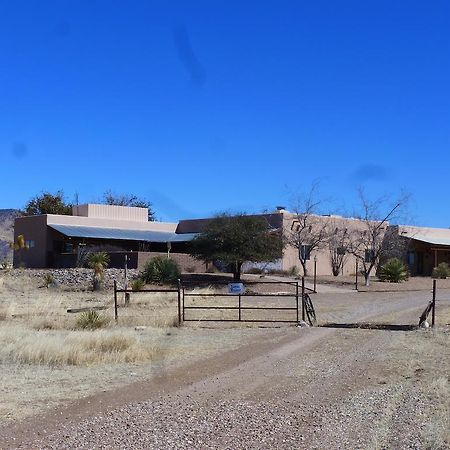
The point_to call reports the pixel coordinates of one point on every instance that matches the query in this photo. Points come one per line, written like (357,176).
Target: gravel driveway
(313,388)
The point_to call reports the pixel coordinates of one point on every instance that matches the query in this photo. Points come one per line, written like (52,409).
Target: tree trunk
(237,272)
(367,278)
(305,271)
(97,282)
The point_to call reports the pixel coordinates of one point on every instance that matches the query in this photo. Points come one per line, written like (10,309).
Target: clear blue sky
(226,105)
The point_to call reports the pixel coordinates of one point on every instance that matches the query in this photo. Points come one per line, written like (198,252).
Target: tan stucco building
(60,240)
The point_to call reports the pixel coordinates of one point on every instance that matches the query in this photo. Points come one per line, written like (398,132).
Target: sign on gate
(236,288)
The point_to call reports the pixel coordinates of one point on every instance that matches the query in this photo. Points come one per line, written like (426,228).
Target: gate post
(296,298)
(303,299)
(239,307)
(434,304)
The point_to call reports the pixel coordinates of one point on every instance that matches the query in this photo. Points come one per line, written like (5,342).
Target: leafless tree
(338,244)
(367,239)
(309,230)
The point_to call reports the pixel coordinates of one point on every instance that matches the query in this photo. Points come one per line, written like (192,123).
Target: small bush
(160,270)
(190,269)
(293,271)
(393,270)
(137,284)
(90,320)
(441,271)
(48,280)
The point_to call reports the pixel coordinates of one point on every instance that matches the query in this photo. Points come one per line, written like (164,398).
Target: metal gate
(260,302)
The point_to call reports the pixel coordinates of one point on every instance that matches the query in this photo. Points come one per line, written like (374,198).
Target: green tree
(236,239)
(48,203)
(111,198)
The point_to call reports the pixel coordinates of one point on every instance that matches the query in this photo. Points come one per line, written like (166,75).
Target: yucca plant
(393,270)
(90,320)
(99,262)
(160,270)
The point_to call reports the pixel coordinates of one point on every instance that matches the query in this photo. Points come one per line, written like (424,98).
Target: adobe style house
(286,222)
(425,247)
(62,240)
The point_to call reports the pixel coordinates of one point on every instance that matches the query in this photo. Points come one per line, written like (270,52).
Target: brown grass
(61,347)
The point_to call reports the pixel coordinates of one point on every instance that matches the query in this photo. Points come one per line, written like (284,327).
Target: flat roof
(121,234)
(431,240)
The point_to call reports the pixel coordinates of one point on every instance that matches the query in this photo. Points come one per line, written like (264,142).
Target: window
(29,244)
(340,250)
(304,252)
(411,258)
(68,247)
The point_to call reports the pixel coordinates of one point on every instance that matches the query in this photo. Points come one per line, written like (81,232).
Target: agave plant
(393,270)
(99,262)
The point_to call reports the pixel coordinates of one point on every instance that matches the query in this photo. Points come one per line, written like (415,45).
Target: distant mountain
(7,217)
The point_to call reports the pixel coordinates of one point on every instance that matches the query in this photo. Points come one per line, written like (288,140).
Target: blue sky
(209,106)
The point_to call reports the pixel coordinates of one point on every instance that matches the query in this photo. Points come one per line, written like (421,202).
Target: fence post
(179,301)
(296,299)
(182,302)
(434,304)
(116,317)
(126,295)
(303,299)
(356,275)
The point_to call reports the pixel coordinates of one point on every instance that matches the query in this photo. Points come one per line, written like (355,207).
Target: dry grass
(61,347)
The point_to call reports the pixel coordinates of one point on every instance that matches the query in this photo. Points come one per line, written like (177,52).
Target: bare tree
(338,244)
(309,230)
(367,239)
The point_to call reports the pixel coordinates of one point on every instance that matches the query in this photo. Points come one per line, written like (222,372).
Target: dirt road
(307,388)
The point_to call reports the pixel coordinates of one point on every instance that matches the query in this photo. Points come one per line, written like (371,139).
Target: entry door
(419,263)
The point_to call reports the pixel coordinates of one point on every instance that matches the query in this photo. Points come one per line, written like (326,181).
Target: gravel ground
(318,388)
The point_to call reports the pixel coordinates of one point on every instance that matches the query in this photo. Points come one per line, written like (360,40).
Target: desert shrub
(90,320)
(48,280)
(190,269)
(393,270)
(293,271)
(160,270)
(441,271)
(137,284)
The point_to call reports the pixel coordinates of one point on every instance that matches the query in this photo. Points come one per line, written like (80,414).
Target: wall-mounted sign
(236,288)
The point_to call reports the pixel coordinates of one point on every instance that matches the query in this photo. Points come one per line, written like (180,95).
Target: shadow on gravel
(371,326)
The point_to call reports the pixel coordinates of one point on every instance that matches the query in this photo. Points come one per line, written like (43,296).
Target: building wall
(33,228)
(322,255)
(111,212)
